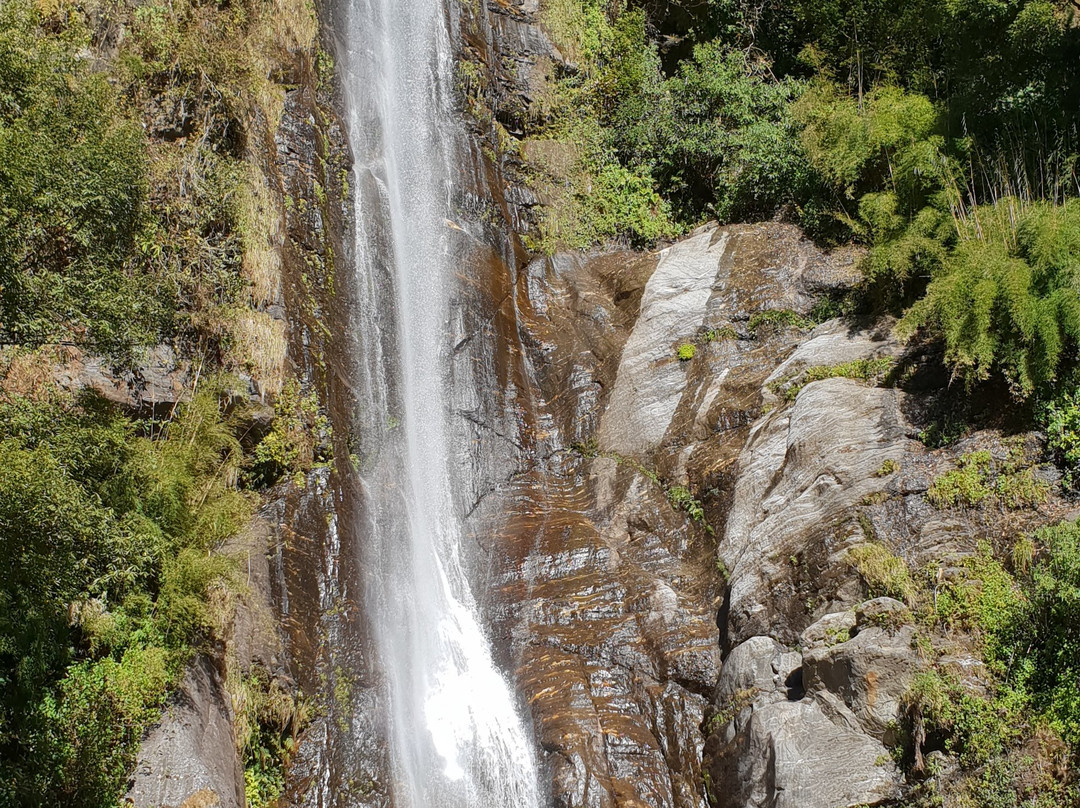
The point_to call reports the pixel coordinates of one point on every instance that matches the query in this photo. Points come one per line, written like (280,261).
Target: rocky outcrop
(805,729)
(802,470)
(190,758)
(610,591)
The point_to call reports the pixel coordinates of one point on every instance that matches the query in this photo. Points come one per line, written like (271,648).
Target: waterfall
(457,738)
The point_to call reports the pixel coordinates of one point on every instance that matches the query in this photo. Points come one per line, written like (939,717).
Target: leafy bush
(1061,420)
(978,727)
(888,467)
(683,499)
(686,351)
(104,538)
(298,436)
(729,146)
(1005,299)
(72,195)
(1040,649)
(773,320)
(1021,489)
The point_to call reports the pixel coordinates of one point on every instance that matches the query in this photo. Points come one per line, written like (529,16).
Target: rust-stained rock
(609,593)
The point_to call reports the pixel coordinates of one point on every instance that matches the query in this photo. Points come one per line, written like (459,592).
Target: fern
(1007,298)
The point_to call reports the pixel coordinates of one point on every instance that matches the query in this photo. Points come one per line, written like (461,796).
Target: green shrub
(729,146)
(1005,299)
(1061,420)
(72,195)
(979,596)
(966,486)
(887,468)
(1021,489)
(978,727)
(299,435)
(1041,646)
(106,539)
(686,351)
(268,726)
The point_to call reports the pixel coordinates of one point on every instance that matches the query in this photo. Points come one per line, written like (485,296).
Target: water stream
(457,738)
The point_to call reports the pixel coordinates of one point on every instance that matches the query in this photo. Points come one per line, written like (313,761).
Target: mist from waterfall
(457,738)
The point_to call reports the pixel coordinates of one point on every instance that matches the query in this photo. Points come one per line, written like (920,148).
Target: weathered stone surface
(872,670)
(800,472)
(753,668)
(802,754)
(609,593)
(191,753)
(770,745)
(651,380)
(151,388)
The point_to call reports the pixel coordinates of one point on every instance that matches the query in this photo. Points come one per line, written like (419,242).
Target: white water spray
(458,741)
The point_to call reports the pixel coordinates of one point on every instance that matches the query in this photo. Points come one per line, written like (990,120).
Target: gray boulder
(189,759)
(871,671)
(772,747)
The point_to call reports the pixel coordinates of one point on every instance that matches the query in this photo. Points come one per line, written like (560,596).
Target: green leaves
(105,541)
(730,143)
(1005,299)
(72,191)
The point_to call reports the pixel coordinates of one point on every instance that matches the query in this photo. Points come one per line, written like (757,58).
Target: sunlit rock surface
(609,596)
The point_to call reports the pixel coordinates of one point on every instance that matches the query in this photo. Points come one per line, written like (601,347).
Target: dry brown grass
(259,347)
(31,372)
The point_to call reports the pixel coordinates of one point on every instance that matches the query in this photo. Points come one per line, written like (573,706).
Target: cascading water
(458,741)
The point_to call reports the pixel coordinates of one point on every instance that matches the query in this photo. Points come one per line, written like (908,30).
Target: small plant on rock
(686,351)
(887,468)
(682,499)
(884,573)
(965,486)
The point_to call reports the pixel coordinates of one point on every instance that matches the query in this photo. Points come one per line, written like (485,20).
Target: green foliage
(1061,421)
(978,595)
(966,486)
(681,498)
(589,115)
(1026,622)
(1021,489)
(978,727)
(267,735)
(104,539)
(883,573)
(773,320)
(686,351)
(1005,299)
(887,468)
(719,334)
(72,195)
(871,371)
(729,146)
(1040,649)
(299,435)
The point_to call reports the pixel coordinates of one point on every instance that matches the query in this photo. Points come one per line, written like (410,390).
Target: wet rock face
(608,594)
(191,753)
